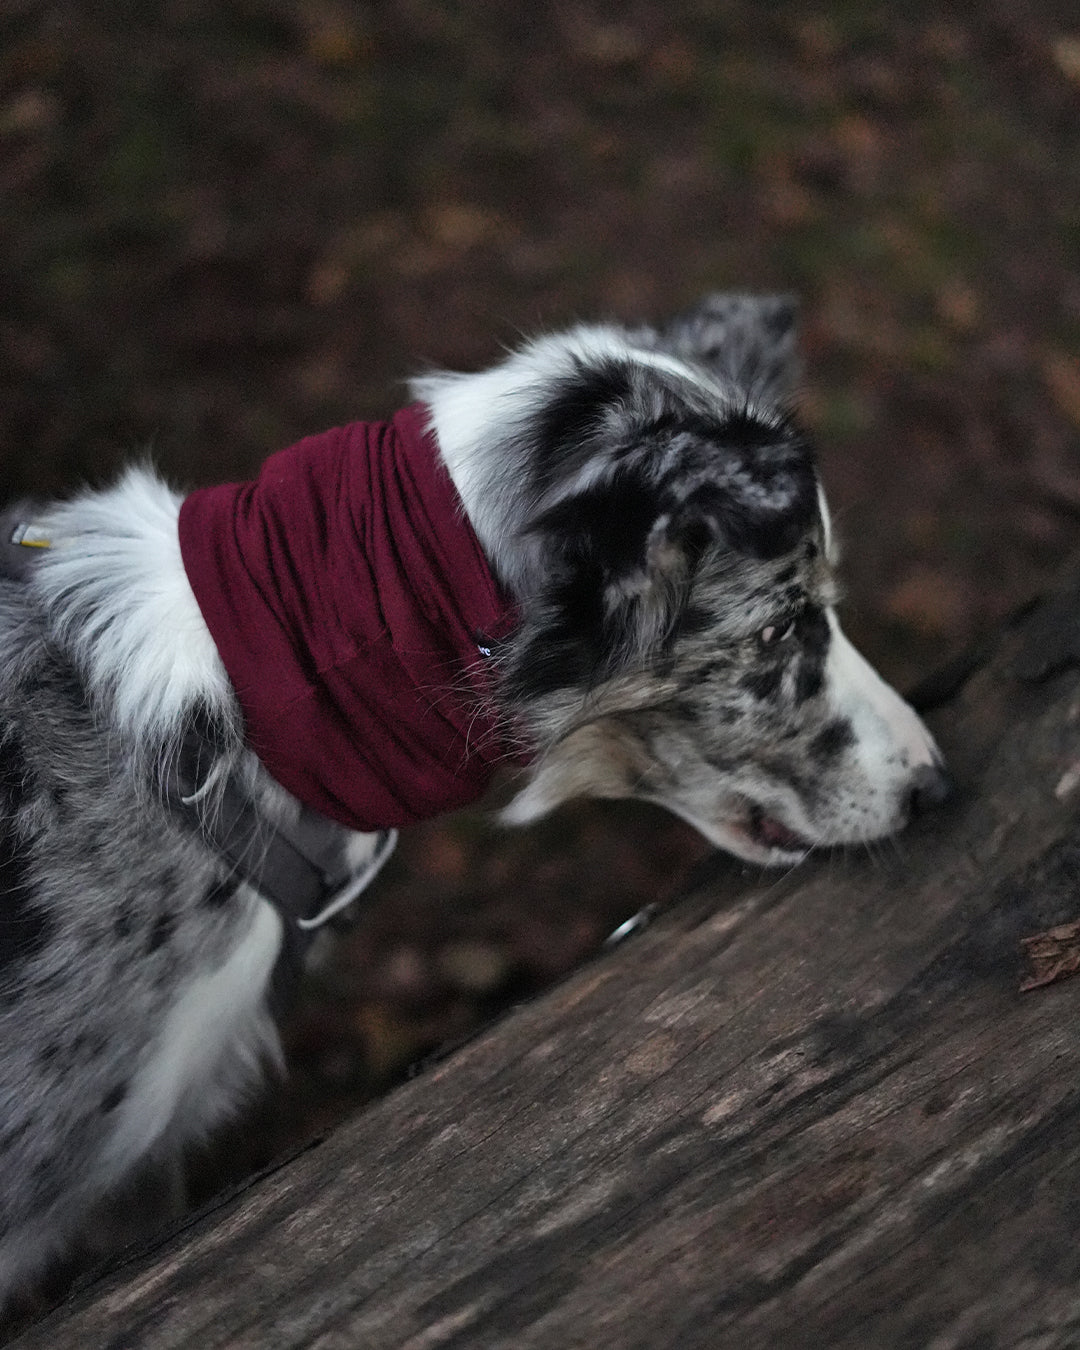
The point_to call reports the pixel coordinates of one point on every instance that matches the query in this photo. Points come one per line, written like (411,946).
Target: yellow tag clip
(31,536)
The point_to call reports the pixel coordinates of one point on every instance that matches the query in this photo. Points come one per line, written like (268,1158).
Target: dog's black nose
(930,786)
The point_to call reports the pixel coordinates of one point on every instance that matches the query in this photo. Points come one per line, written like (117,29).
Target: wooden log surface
(810,1110)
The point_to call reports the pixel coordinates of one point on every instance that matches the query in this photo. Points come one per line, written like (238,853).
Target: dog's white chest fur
(212,1045)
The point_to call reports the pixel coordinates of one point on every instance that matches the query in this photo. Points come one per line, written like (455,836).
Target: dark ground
(226,225)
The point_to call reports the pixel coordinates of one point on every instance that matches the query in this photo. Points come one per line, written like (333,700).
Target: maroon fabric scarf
(348,596)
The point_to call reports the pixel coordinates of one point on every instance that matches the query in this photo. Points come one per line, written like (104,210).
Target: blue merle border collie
(649,508)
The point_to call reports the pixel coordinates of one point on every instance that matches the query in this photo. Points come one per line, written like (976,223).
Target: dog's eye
(776,632)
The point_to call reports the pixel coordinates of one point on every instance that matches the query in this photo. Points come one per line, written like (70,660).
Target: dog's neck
(362,597)
(345,589)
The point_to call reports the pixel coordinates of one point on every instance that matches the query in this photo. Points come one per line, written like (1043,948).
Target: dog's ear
(747,483)
(749,340)
(622,550)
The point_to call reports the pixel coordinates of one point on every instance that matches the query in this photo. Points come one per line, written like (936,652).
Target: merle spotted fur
(652,504)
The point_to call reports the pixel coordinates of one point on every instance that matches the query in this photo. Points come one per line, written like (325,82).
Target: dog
(607,559)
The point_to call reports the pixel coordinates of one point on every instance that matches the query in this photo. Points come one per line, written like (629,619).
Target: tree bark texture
(811,1110)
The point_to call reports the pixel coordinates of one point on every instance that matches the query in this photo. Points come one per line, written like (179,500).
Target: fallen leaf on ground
(1054,954)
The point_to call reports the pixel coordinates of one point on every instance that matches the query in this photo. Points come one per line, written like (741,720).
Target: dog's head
(655,506)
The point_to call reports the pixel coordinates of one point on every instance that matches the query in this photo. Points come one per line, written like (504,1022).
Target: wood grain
(806,1111)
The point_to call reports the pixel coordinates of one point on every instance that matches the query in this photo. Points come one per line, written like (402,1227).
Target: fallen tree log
(813,1110)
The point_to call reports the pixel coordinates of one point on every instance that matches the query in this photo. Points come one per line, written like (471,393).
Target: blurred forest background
(225,224)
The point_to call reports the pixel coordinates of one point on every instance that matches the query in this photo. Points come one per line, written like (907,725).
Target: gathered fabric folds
(350,601)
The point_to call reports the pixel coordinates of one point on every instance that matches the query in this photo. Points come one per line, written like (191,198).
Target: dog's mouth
(769,833)
(747,830)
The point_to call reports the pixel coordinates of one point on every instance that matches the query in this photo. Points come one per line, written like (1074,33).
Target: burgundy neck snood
(349,597)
